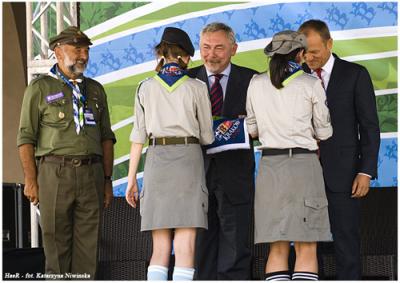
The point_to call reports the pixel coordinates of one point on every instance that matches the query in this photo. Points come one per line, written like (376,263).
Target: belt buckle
(290,152)
(76,162)
(163,141)
(186,140)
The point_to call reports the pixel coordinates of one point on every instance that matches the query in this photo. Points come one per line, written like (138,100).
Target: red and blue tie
(216,96)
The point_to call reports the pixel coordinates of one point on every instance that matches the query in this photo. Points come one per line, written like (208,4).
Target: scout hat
(179,37)
(285,42)
(71,35)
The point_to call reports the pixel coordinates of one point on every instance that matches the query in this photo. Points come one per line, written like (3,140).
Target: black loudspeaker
(23,264)
(124,251)
(16,217)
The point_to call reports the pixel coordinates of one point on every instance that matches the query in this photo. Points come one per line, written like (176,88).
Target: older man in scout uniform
(66,150)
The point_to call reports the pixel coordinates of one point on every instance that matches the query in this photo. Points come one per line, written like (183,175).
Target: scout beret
(71,35)
(285,42)
(179,37)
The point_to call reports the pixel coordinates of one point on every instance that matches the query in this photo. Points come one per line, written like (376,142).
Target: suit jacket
(354,145)
(235,167)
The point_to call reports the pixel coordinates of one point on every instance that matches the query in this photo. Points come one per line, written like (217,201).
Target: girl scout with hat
(287,110)
(174,112)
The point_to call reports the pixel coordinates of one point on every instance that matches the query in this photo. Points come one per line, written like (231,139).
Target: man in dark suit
(223,251)
(349,157)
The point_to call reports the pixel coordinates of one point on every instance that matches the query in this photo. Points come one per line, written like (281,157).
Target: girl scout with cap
(287,110)
(174,112)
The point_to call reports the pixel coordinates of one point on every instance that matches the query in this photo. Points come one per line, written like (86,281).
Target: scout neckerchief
(78,99)
(293,70)
(171,76)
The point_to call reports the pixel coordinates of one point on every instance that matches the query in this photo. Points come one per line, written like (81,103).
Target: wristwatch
(108,178)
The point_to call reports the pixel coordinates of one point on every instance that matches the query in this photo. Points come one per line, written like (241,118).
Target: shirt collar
(328,65)
(225,72)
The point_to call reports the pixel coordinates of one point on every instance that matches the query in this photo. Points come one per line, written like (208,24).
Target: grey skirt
(174,193)
(290,200)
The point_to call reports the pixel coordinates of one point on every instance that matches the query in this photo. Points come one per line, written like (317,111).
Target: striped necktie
(216,96)
(319,74)
(77,106)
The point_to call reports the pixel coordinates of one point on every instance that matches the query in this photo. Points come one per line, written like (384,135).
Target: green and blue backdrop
(125,33)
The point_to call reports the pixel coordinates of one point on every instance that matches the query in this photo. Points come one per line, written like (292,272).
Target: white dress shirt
(326,71)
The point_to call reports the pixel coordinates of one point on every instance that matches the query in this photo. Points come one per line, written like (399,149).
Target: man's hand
(31,191)
(131,193)
(27,156)
(360,186)
(108,193)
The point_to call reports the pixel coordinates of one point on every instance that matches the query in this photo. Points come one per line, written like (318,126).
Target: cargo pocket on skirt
(316,212)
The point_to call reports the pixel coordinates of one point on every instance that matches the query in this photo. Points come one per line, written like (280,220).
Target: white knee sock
(283,275)
(157,273)
(304,275)
(183,274)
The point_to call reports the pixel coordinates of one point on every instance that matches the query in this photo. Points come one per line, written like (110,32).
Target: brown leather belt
(74,161)
(286,151)
(173,140)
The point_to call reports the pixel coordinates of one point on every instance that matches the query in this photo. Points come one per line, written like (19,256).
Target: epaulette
(200,81)
(140,83)
(137,91)
(38,78)
(310,75)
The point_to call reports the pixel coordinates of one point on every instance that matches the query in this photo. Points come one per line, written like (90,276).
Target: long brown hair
(168,51)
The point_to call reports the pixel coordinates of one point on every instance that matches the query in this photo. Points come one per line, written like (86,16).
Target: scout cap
(285,42)
(71,35)
(179,37)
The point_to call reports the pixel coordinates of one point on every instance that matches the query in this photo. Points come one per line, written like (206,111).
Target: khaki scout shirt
(184,112)
(50,127)
(293,116)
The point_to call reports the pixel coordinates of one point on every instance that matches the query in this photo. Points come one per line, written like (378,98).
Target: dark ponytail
(278,65)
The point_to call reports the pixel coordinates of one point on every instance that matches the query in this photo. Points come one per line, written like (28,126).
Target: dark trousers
(222,251)
(344,216)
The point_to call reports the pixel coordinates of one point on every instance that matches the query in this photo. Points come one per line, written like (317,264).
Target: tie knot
(218,77)
(319,72)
